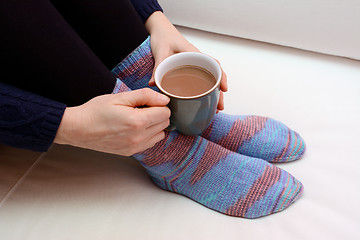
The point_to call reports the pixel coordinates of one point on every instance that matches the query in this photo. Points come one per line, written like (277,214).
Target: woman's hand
(166,40)
(116,123)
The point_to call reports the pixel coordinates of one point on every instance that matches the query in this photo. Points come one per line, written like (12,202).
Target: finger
(149,137)
(154,115)
(142,97)
(153,140)
(156,128)
(161,56)
(153,134)
(152,81)
(223,82)
(221,106)
(158,59)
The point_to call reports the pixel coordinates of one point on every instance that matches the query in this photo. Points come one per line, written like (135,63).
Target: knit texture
(137,68)
(146,7)
(220,179)
(27,120)
(254,136)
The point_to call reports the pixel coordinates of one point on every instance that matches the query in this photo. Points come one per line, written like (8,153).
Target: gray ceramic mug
(191,115)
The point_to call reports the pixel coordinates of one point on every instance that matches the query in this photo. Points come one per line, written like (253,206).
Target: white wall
(326,26)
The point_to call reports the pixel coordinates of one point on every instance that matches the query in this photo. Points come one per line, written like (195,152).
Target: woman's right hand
(116,123)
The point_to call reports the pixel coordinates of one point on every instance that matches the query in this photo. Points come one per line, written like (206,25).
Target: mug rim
(216,85)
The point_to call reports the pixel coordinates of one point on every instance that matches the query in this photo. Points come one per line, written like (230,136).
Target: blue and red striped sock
(253,136)
(256,136)
(218,178)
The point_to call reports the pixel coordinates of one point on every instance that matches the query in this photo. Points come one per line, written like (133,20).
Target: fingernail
(164,98)
(151,82)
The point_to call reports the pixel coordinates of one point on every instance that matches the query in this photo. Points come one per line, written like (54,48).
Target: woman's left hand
(166,40)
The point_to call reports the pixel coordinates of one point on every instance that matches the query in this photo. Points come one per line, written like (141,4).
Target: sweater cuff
(147,8)
(51,123)
(27,120)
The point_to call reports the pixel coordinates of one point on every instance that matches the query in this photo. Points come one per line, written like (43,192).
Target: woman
(69,56)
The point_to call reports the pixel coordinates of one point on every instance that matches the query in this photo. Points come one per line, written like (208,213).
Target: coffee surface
(187,81)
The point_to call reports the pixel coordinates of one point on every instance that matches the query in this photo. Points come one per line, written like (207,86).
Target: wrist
(66,127)
(157,20)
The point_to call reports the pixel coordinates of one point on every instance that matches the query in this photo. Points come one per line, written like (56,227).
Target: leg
(48,56)
(111,28)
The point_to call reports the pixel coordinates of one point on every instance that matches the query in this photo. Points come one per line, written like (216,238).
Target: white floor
(71,193)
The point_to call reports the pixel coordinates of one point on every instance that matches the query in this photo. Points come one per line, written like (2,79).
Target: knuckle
(146,91)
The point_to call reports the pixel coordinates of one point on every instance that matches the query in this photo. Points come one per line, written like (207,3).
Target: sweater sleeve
(28,120)
(146,7)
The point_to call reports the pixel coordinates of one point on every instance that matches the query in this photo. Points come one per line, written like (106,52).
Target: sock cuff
(137,68)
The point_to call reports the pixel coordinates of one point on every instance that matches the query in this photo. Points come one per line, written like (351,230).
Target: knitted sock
(253,136)
(256,136)
(217,178)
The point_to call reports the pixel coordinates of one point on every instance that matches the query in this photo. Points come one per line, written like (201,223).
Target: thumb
(158,59)
(144,97)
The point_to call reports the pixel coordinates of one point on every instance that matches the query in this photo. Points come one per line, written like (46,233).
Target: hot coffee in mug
(192,81)
(187,81)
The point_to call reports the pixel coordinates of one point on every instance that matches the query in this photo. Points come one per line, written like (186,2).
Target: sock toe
(293,148)
(274,142)
(287,190)
(256,136)
(273,192)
